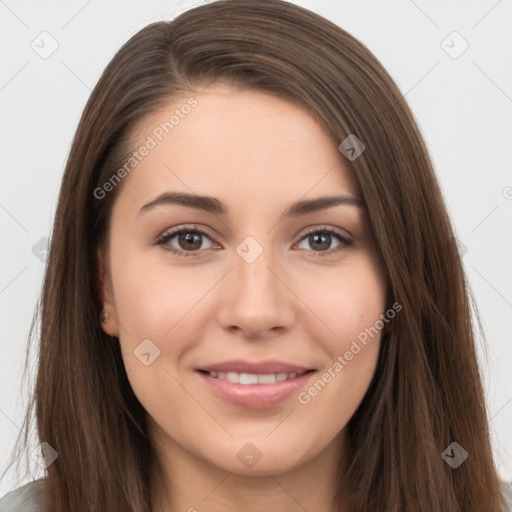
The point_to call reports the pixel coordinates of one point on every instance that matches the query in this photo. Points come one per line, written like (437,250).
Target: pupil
(186,238)
(324,236)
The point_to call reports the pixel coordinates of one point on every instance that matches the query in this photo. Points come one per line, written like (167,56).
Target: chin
(259,458)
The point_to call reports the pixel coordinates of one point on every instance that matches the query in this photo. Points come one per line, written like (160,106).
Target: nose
(257,301)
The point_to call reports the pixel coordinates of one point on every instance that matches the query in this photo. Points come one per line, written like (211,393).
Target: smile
(253,378)
(255,390)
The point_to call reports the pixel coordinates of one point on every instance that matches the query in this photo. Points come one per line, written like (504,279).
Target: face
(239,317)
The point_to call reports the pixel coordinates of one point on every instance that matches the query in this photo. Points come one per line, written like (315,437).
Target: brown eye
(189,241)
(320,241)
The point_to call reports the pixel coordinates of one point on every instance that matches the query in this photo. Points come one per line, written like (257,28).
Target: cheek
(152,300)
(353,304)
(350,305)
(356,301)
(154,312)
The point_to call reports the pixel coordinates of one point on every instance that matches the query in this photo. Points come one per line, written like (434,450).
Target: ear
(110,325)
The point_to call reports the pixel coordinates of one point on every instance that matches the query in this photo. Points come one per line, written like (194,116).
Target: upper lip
(261,367)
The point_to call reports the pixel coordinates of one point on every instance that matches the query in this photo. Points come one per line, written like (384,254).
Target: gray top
(27,498)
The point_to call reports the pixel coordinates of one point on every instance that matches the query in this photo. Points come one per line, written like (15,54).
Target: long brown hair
(427,390)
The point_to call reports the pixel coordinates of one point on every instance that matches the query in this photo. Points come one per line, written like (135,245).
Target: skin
(258,154)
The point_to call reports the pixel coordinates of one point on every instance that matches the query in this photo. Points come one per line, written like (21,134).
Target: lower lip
(256,396)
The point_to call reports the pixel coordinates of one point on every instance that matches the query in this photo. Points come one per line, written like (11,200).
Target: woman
(312,349)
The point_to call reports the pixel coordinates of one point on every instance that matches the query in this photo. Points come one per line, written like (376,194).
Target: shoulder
(26,498)
(507,491)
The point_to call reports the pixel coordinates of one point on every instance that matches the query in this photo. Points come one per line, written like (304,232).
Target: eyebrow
(213,205)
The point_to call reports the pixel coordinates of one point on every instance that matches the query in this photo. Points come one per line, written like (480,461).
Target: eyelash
(162,241)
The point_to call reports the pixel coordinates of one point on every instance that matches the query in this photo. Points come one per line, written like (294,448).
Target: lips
(255,385)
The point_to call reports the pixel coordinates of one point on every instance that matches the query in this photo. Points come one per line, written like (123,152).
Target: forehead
(239,146)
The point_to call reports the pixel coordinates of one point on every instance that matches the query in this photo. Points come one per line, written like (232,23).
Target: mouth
(249,379)
(256,389)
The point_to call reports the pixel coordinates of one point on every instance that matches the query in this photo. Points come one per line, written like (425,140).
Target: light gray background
(463,106)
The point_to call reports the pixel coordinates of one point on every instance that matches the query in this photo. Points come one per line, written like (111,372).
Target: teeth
(248,378)
(270,378)
(252,378)
(232,377)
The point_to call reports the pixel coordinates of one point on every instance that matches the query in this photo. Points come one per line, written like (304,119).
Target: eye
(321,238)
(189,239)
